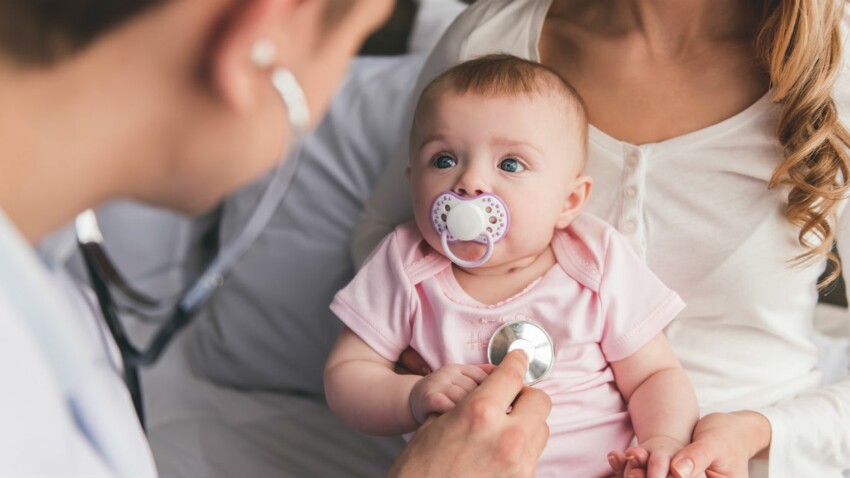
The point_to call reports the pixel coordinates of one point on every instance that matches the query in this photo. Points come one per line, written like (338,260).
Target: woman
(170,103)
(716,148)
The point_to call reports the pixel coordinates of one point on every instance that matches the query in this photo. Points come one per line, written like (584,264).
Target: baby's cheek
(426,228)
(529,236)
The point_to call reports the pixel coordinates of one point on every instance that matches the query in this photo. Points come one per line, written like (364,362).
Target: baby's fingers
(637,456)
(617,461)
(456,393)
(658,465)
(636,461)
(464,382)
(474,372)
(438,403)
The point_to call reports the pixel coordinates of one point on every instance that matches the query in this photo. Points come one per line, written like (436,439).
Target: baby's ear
(575,200)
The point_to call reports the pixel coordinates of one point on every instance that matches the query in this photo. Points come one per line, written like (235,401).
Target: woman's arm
(661,401)
(364,390)
(806,435)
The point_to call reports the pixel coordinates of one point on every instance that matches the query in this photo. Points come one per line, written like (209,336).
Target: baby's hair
(505,75)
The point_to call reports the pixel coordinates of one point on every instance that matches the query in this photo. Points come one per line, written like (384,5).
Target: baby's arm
(363,388)
(662,404)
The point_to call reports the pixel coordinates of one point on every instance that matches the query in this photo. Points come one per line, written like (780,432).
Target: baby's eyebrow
(439,136)
(513,143)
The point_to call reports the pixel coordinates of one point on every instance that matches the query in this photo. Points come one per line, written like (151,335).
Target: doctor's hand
(440,391)
(478,438)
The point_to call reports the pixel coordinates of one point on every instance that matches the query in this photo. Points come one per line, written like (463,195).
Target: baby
(497,152)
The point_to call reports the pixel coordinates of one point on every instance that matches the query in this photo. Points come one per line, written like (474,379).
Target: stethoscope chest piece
(532,339)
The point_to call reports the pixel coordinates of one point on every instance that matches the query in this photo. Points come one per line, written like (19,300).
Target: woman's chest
(699,209)
(641,97)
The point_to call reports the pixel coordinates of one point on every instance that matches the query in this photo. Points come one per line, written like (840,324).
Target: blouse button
(629,226)
(631,192)
(633,158)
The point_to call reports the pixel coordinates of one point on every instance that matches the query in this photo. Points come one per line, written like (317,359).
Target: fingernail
(684,467)
(426,370)
(612,461)
(633,461)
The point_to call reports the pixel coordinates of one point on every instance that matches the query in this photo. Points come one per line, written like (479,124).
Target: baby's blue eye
(511,165)
(444,161)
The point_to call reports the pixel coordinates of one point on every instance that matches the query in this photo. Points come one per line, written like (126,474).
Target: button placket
(631,215)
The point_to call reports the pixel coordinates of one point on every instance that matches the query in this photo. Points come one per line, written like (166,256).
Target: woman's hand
(478,438)
(722,446)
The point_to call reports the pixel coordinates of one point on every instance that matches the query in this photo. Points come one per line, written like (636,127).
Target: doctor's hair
(506,75)
(41,32)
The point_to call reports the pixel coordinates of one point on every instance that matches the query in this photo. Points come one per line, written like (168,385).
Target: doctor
(164,102)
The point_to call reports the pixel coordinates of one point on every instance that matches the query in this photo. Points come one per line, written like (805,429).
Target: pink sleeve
(635,303)
(376,304)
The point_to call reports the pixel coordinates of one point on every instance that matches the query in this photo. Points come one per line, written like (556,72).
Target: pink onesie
(599,304)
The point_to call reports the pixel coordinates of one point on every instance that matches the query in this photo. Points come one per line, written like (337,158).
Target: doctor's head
(167,99)
(505,126)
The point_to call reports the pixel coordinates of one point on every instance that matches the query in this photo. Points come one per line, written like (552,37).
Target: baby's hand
(652,457)
(444,388)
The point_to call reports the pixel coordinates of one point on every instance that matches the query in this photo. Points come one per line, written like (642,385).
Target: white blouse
(698,209)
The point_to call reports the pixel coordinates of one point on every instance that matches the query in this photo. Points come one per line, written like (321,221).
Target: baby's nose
(468,192)
(470,184)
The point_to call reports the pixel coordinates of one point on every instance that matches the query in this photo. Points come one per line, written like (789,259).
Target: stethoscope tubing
(193,298)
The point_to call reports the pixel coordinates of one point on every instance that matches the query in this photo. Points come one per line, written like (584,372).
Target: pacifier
(483,219)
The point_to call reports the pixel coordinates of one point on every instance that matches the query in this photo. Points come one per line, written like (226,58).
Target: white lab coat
(64,409)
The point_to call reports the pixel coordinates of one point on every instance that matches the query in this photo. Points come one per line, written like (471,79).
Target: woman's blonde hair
(800,43)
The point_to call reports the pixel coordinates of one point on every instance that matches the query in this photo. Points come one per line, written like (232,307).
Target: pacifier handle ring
(444,239)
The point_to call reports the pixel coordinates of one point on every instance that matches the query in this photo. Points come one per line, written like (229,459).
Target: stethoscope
(108,283)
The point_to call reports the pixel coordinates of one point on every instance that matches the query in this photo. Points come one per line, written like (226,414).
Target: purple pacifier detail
(483,219)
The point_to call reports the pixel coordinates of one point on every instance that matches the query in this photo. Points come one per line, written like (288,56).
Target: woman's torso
(697,207)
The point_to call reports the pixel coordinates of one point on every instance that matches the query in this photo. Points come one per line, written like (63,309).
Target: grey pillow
(269,327)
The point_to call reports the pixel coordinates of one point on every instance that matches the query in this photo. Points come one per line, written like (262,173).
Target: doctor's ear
(244,47)
(313,39)
(575,201)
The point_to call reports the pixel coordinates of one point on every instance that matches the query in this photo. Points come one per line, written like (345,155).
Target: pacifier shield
(467,219)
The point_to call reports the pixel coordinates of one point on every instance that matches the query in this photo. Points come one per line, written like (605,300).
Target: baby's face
(527,150)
